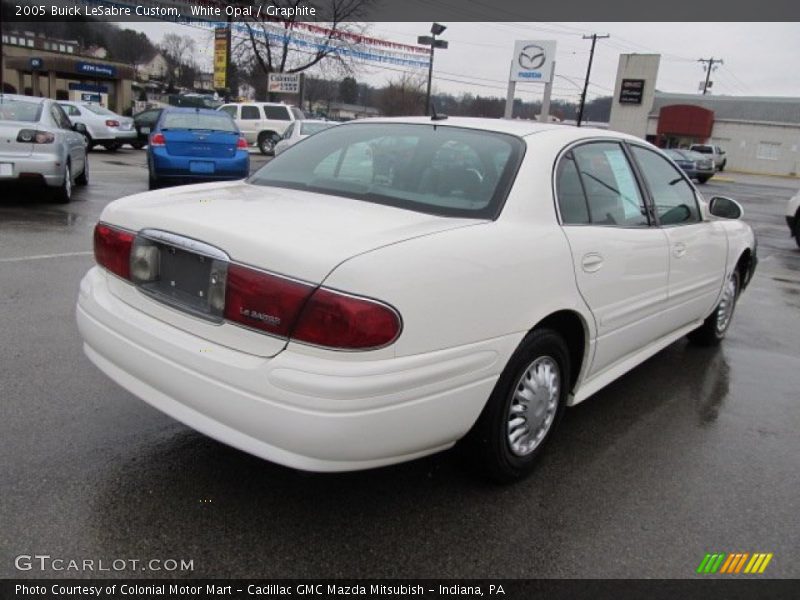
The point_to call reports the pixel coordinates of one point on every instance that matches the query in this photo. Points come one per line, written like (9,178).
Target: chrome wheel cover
(533,406)
(67,182)
(726,304)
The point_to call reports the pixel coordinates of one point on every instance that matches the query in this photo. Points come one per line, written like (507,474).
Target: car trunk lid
(297,234)
(203,143)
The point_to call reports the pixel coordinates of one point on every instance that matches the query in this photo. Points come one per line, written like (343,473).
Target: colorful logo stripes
(731,564)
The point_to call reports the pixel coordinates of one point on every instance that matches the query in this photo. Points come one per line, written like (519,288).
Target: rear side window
(277,113)
(60,117)
(250,113)
(571,199)
(703,149)
(600,174)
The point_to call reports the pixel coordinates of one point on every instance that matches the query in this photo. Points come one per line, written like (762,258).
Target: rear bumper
(36,168)
(296,409)
(179,167)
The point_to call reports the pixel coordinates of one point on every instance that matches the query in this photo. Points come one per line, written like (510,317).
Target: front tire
(112,146)
(137,145)
(722,166)
(524,408)
(714,328)
(702,179)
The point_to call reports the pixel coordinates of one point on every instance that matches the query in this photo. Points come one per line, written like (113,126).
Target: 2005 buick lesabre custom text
(389,287)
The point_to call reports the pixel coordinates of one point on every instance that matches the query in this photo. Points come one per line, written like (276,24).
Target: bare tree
(403,96)
(268,47)
(178,51)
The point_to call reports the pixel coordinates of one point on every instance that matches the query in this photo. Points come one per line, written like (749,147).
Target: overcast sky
(759,58)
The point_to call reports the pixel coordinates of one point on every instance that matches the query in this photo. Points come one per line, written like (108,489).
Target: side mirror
(725,208)
(79,127)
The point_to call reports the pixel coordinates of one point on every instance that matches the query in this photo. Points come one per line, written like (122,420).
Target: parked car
(263,123)
(103,127)
(300,130)
(195,144)
(38,144)
(321,319)
(695,165)
(717,154)
(793,216)
(144,122)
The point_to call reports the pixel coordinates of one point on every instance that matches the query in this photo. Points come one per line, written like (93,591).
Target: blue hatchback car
(195,145)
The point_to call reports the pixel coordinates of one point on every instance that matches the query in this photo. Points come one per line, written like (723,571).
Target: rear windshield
(20,110)
(216,122)
(703,149)
(99,110)
(448,171)
(311,128)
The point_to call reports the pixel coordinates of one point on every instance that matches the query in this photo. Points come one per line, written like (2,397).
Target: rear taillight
(157,139)
(242,143)
(112,249)
(264,301)
(337,320)
(307,314)
(34,136)
(112,123)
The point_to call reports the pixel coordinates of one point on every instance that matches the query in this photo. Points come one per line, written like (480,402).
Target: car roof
(32,99)
(518,127)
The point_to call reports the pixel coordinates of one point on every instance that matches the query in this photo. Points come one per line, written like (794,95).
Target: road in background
(694,451)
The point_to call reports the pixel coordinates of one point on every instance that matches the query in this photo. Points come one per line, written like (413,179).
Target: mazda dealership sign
(533,61)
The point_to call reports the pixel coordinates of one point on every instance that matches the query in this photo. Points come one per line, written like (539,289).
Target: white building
(759,134)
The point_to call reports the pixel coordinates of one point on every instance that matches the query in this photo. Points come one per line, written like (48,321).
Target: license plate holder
(201,167)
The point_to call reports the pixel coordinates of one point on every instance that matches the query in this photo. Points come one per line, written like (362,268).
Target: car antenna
(436,116)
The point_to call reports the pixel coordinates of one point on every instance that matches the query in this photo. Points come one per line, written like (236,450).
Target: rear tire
(722,166)
(714,328)
(153,183)
(63,193)
(266,143)
(524,408)
(83,178)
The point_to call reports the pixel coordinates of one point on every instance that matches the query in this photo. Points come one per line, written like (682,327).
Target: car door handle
(679,250)
(592,262)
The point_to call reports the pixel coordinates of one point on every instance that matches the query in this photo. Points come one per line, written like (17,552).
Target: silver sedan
(39,144)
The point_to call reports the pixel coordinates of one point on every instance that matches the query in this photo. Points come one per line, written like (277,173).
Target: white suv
(263,123)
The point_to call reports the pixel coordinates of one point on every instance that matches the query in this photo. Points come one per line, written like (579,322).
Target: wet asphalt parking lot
(695,451)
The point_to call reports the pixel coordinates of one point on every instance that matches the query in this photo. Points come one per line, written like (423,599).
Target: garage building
(759,134)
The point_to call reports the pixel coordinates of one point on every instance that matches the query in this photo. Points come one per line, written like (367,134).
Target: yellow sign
(222,39)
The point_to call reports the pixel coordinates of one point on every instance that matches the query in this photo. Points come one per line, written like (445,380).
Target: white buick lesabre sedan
(393,286)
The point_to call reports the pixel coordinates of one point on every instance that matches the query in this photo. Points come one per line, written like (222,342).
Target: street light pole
(430,40)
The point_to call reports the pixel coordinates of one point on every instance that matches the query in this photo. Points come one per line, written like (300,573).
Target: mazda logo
(532,57)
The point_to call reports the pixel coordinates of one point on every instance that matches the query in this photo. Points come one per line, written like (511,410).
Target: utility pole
(594,37)
(710,62)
